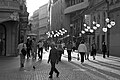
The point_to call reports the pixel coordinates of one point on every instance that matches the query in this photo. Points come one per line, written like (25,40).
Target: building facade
(104,9)
(43,21)
(40,22)
(77,12)
(35,23)
(9,26)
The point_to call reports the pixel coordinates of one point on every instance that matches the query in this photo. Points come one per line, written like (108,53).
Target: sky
(33,5)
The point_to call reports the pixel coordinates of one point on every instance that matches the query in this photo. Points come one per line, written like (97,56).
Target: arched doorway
(2,40)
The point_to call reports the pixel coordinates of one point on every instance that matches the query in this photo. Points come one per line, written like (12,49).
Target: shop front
(8,34)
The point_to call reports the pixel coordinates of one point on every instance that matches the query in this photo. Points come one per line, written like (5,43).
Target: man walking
(53,59)
(40,49)
(104,49)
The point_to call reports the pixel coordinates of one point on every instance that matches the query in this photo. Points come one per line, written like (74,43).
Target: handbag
(23,51)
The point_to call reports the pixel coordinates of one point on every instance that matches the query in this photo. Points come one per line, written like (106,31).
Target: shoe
(50,76)
(22,65)
(34,67)
(57,74)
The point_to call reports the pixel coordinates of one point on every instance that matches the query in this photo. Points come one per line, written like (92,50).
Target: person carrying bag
(22,52)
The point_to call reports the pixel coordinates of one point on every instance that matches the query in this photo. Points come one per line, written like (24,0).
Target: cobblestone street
(99,69)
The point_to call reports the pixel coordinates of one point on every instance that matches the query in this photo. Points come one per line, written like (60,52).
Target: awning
(76,7)
(4,19)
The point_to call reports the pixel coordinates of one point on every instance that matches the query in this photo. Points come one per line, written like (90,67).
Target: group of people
(85,50)
(33,48)
(56,51)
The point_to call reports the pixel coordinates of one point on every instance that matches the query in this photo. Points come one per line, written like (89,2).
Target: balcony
(76,7)
(12,5)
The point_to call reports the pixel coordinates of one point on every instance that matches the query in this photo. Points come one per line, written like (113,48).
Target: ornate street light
(104,29)
(91,30)
(83,32)
(107,20)
(112,23)
(85,25)
(94,27)
(88,27)
(109,25)
(98,25)
(94,22)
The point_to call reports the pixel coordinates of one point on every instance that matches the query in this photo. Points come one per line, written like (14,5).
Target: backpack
(23,51)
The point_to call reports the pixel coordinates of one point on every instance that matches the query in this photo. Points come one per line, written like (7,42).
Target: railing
(9,5)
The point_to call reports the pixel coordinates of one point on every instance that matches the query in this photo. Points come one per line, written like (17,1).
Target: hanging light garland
(90,29)
(110,24)
(56,33)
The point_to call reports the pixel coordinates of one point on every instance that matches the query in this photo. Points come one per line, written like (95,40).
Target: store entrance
(2,40)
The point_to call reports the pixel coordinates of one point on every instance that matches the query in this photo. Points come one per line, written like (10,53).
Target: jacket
(82,48)
(53,56)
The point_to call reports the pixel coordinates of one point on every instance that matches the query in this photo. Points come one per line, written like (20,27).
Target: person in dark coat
(104,49)
(60,51)
(46,45)
(93,50)
(40,49)
(69,50)
(53,59)
(28,44)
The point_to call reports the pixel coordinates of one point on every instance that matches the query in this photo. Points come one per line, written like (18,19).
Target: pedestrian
(34,48)
(69,50)
(88,51)
(93,50)
(40,49)
(82,49)
(53,59)
(46,45)
(60,51)
(63,45)
(28,45)
(22,57)
(104,49)
(73,45)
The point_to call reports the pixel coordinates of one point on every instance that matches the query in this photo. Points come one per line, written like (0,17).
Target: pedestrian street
(99,69)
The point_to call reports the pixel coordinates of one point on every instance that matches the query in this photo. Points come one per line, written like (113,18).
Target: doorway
(2,40)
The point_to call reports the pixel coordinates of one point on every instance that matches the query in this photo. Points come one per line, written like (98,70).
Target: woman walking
(82,49)
(69,50)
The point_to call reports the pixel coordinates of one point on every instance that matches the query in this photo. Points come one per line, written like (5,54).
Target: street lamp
(104,29)
(83,32)
(110,24)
